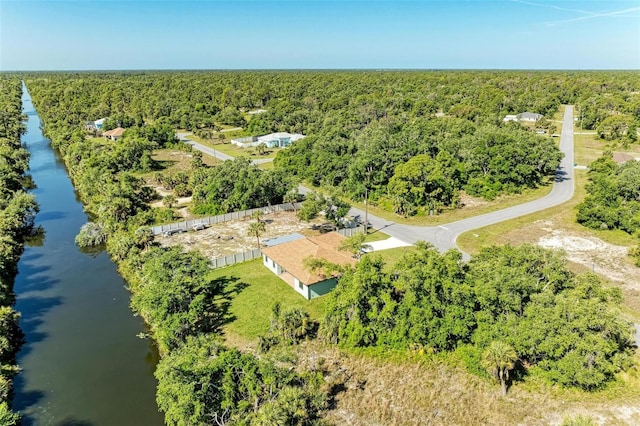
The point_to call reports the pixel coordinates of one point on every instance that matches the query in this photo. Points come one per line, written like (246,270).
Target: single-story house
(621,157)
(94,125)
(531,117)
(114,134)
(286,260)
(282,239)
(272,140)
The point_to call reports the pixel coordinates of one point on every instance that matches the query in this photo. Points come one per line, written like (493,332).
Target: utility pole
(366,210)
(366,200)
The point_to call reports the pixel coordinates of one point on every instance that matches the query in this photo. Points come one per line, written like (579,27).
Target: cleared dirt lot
(231,237)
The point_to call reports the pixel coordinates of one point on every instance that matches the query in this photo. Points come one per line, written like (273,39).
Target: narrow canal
(82,363)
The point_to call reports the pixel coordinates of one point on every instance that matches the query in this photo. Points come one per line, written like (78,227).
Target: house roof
(293,136)
(621,157)
(281,240)
(530,116)
(118,131)
(290,256)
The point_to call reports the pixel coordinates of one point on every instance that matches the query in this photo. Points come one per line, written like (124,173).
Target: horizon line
(378,69)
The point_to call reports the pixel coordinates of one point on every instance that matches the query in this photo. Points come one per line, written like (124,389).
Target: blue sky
(303,34)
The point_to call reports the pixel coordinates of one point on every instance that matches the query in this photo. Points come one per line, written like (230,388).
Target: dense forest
(413,141)
(563,327)
(17,212)
(613,195)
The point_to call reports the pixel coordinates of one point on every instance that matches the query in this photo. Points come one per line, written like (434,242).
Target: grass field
(252,306)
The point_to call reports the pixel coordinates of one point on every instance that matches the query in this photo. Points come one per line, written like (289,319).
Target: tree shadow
(224,290)
(159,165)
(33,310)
(74,422)
(25,400)
(51,215)
(560,176)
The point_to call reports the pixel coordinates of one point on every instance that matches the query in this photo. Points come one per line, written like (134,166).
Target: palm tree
(355,244)
(498,359)
(291,196)
(256,228)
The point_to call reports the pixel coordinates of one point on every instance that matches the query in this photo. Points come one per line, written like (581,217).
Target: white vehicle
(198,226)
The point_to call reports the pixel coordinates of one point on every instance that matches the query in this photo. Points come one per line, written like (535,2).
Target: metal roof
(283,239)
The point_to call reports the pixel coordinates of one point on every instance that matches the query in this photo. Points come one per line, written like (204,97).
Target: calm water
(82,362)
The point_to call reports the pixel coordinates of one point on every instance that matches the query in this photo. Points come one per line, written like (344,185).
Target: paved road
(444,236)
(215,153)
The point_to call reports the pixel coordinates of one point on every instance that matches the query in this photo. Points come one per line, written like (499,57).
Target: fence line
(221,218)
(232,259)
(350,232)
(246,256)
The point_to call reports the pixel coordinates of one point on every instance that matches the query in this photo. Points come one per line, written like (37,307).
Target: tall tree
(498,359)
(256,229)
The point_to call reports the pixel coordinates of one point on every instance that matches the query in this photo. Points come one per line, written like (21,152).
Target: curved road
(212,152)
(444,236)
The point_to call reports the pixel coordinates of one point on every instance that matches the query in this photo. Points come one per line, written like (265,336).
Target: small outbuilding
(286,260)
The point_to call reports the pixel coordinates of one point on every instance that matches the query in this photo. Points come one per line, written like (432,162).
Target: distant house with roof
(621,157)
(530,117)
(94,125)
(272,140)
(286,260)
(114,134)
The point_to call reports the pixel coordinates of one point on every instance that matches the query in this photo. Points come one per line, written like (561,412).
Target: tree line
(365,128)
(17,213)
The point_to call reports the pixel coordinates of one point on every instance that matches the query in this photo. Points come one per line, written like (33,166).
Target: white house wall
(301,288)
(271,264)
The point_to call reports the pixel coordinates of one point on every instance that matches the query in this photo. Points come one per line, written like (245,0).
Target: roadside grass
(448,216)
(251,308)
(236,151)
(375,235)
(267,166)
(391,256)
(524,228)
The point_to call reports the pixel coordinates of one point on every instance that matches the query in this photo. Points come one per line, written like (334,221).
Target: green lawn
(235,151)
(252,306)
(391,256)
(375,235)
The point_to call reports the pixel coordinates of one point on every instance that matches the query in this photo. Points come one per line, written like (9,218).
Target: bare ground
(584,253)
(231,237)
